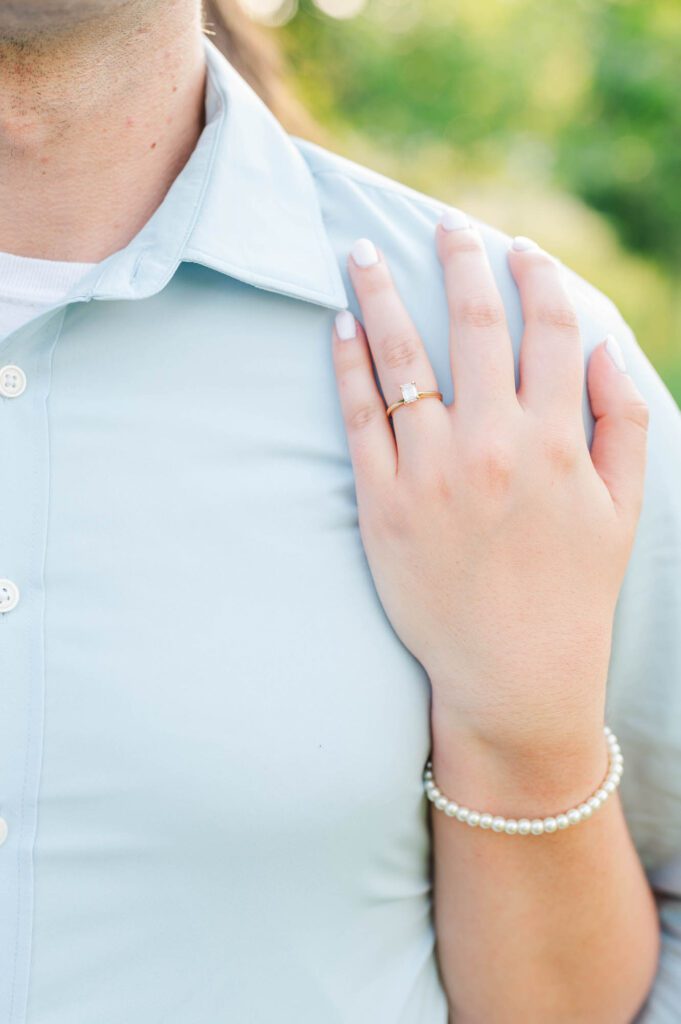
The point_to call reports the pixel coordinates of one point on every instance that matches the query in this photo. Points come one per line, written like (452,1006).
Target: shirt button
(12,381)
(3,830)
(9,596)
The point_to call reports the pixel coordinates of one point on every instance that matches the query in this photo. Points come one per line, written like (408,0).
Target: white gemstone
(537,826)
(524,826)
(498,824)
(573,816)
(473,818)
(485,820)
(511,827)
(441,802)
(462,814)
(409,391)
(562,820)
(550,824)
(451,808)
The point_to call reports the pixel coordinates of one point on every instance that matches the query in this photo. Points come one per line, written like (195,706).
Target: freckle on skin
(130,122)
(174,88)
(152,146)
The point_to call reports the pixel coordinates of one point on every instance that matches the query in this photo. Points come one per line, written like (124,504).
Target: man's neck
(95,125)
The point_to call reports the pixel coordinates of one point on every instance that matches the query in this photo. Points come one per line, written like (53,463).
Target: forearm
(560,927)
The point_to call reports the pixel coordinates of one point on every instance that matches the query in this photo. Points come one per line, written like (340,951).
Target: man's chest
(210,617)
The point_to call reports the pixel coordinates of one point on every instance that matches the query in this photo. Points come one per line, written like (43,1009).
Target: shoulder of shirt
(325,164)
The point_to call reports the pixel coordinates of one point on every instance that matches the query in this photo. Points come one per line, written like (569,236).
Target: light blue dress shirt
(211,738)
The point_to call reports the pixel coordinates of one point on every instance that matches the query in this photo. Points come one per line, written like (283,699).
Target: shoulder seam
(397,188)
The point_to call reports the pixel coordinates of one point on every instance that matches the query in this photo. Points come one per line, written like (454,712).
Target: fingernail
(364,253)
(346,327)
(612,347)
(454,219)
(522,244)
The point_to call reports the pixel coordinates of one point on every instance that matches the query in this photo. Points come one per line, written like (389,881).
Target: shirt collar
(245,204)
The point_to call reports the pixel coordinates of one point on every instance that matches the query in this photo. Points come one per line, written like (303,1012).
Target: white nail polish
(364,253)
(522,244)
(454,219)
(346,327)
(612,347)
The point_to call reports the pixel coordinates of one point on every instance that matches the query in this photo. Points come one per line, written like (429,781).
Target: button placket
(24,473)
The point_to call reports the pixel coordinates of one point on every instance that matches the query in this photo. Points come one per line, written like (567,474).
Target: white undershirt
(29,286)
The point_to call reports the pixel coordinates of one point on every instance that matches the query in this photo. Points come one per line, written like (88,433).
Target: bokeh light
(270,12)
(341,8)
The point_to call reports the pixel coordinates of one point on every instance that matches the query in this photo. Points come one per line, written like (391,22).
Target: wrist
(521,779)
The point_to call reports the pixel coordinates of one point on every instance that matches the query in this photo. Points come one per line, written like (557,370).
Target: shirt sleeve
(663,1004)
(644,686)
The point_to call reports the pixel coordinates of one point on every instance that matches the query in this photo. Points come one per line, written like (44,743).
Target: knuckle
(457,243)
(638,413)
(363,415)
(394,518)
(481,311)
(399,350)
(491,466)
(561,448)
(559,317)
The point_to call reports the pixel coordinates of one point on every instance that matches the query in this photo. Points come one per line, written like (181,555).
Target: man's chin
(25,19)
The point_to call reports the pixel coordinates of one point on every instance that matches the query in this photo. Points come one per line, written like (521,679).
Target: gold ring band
(411,394)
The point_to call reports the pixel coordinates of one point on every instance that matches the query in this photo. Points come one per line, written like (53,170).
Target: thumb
(618,448)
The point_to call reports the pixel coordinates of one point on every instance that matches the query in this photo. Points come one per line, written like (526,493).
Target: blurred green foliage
(560,119)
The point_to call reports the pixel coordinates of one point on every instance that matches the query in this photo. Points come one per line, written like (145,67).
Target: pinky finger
(619,445)
(370,437)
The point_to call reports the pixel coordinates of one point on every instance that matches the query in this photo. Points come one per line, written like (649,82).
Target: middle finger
(483,370)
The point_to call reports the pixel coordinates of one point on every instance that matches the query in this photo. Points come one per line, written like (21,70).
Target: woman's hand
(496,540)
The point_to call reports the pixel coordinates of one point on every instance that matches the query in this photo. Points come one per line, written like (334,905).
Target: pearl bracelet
(536,826)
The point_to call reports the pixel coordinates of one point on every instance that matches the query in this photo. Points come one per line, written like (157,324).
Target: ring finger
(398,352)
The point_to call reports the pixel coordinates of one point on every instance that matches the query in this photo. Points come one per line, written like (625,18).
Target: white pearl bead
(602,795)
(537,826)
(585,810)
(562,821)
(451,809)
(473,818)
(511,827)
(498,824)
(550,824)
(428,775)
(609,786)
(594,803)
(441,803)
(462,813)
(434,793)
(485,820)
(607,730)
(573,816)
(524,826)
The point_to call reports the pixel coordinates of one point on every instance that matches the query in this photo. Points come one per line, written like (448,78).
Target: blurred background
(557,119)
